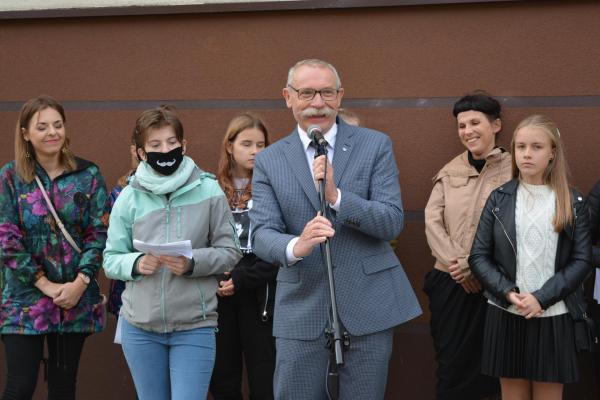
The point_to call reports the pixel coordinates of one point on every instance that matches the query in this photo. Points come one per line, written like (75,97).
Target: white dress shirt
(330,137)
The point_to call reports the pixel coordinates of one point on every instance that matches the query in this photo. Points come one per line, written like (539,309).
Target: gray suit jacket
(373,292)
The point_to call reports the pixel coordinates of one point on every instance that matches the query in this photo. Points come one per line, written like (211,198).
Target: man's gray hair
(313,62)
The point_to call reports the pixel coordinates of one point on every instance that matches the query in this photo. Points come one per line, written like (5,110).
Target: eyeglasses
(307,94)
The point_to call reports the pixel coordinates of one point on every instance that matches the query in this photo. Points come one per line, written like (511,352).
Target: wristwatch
(84,278)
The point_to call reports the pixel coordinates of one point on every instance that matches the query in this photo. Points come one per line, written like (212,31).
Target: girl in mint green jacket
(169,304)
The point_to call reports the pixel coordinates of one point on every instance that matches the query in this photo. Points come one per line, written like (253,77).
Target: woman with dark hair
(247,295)
(531,253)
(457,306)
(169,310)
(52,233)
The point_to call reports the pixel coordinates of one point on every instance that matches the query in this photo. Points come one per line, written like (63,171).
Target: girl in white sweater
(531,253)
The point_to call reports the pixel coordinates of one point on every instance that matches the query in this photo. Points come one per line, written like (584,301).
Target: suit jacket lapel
(344,143)
(296,156)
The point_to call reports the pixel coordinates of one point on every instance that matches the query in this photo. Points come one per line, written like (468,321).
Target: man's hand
(316,231)
(331,192)
(148,264)
(70,293)
(177,265)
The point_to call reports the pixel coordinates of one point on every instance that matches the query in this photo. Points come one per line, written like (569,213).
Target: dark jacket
(255,277)
(493,256)
(593,204)
(32,244)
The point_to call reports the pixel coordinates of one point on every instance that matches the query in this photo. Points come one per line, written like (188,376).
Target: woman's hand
(177,265)
(471,285)
(530,306)
(70,293)
(464,277)
(458,274)
(513,298)
(226,288)
(148,264)
(49,289)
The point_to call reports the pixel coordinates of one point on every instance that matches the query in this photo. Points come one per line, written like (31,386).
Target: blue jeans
(175,365)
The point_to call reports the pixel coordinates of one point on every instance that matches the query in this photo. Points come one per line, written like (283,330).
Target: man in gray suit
(372,291)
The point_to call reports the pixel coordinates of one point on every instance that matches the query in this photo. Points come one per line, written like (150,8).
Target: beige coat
(454,207)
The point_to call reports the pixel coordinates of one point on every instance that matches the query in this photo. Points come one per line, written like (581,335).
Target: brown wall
(402,67)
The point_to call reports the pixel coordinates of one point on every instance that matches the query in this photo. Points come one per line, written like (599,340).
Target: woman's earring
(27,155)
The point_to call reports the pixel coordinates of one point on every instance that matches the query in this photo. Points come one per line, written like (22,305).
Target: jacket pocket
(379,262)
(289,275)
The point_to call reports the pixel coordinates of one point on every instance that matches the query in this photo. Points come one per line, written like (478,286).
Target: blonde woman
(531,253)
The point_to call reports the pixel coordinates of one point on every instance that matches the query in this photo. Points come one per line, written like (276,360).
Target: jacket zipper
(504,230)
(574,222)
(178,222)
(203,304)
(163,274)
(264,316)
(62,265)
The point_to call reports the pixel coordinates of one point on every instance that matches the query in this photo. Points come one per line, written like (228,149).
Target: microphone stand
(337,341)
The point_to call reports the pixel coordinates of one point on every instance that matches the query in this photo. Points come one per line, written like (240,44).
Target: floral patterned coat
(32,243)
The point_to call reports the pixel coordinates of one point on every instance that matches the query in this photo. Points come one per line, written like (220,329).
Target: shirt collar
(330,136)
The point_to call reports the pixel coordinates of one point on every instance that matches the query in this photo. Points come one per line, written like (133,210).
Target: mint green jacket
(198,211)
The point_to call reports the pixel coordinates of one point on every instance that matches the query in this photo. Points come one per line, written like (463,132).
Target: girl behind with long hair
(246,296)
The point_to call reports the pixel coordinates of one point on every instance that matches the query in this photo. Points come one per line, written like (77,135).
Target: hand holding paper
(148,264)
(174,255)
(177,265)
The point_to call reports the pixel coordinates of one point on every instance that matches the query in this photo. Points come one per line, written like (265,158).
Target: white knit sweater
(536,241)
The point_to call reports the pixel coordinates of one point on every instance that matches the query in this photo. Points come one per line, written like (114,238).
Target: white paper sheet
(183,248)
(118,331)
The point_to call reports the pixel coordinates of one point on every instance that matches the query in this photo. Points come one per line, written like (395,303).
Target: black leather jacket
(593,203)
(493,257)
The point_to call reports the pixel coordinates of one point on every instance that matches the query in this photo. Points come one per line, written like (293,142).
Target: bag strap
(58,221)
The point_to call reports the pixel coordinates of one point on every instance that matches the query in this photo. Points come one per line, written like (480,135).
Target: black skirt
(457,320)
(537,349)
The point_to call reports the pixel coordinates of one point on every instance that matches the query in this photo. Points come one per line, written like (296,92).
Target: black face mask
(165,163)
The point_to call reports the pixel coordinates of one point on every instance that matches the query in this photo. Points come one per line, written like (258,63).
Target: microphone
(316,135)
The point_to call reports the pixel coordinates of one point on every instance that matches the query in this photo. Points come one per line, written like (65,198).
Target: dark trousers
(594,314)
(243,336)
(457,321)
(24,354)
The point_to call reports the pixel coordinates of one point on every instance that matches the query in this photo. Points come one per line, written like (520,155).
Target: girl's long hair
(556,173)
(241,122)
